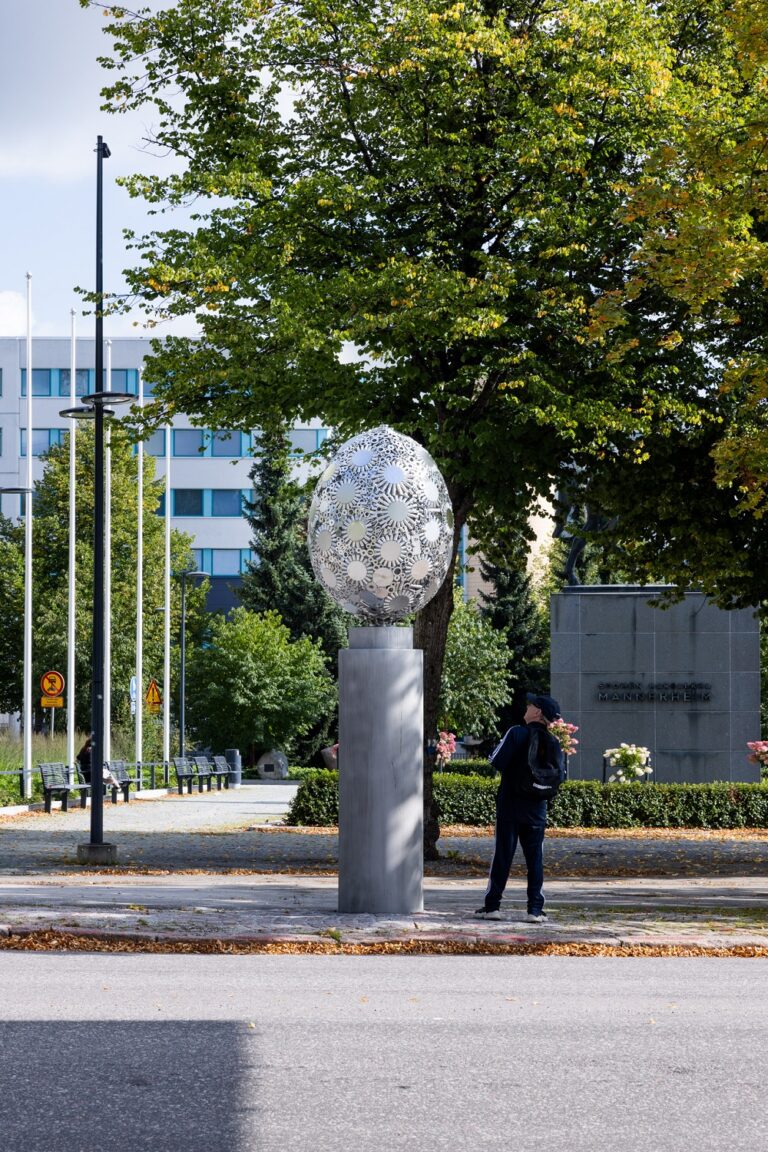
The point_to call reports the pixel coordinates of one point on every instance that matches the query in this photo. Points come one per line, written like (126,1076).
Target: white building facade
(209,469)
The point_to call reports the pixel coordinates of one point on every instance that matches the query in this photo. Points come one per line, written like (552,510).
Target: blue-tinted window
(187,441)
(41,381)
(197,557)
(225,561)
(154,445)
(81,381)
(225,444)
(187,501)
(161,505)
(226,502)
(42,440)
(303,439)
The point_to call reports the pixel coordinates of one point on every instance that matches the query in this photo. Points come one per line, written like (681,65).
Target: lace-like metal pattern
(381,526)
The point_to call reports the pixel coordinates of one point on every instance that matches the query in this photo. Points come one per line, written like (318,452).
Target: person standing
(521,815)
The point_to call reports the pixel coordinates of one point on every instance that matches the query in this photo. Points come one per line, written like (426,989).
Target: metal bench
(220,772)
(185,774)
(56,783)
(204,772)
(120,772)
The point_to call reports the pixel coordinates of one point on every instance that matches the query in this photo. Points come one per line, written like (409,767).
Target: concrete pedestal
(381,749)
(97,853)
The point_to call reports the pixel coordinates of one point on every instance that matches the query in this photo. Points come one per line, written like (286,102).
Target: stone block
(614,654)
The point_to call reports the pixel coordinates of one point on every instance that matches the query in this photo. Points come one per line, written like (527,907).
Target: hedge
(579,804)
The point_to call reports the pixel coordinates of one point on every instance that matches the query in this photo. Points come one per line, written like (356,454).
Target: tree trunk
(430,634)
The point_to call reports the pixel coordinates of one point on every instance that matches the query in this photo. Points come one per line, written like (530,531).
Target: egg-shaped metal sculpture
(381,526)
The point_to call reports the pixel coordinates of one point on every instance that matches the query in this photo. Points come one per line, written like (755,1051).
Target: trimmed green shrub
(468,768)
(579,803)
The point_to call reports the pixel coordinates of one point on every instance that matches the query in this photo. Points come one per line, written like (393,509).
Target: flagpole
(27,769)
(72,557)
(139,702)
(167,605)
(107,568)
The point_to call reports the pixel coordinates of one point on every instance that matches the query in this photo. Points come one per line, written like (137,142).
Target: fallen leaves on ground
(50,941)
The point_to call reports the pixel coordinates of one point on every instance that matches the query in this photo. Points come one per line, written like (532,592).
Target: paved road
(276,1054)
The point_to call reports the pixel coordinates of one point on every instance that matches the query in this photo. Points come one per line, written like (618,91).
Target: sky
(50,117)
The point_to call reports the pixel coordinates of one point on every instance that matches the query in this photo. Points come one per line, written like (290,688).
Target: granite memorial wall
(683,681)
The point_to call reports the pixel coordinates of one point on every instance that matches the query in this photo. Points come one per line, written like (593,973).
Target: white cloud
(13,314)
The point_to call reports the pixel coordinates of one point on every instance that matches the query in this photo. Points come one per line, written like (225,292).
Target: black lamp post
(184,575)
(96,406)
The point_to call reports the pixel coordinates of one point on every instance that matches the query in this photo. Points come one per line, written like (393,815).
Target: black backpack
(545,766)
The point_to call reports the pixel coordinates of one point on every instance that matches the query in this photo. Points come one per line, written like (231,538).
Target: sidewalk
(209,872)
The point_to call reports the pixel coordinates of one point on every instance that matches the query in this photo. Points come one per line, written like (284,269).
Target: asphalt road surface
(128,1052)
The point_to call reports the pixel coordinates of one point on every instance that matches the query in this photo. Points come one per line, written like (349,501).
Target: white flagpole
(107,567)
(27,770)
(167,605)
(72,556)
(139,702)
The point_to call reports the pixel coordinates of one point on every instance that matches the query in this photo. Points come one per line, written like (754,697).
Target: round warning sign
(52,683)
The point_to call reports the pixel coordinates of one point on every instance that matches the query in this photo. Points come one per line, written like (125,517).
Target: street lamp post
(184,575)
(96,407)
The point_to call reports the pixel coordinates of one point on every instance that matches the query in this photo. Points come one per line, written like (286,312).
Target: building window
(198,558)
(1,381)
(41,381)
(42,440)
(154,445)
(187,501)
(226,502)
(225,561)
(226,444)
(81,381)
(187,442)
(303,440)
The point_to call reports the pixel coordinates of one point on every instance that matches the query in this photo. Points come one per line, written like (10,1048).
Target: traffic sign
(153,697)
(51,684)
(52,702)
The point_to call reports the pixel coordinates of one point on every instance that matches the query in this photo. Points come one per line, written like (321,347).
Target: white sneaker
(482,914)
(537,917)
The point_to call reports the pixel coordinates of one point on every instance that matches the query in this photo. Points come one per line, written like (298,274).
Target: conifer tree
(281,579)
(512,610)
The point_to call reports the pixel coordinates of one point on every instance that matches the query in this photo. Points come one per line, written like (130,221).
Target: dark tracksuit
(518,818)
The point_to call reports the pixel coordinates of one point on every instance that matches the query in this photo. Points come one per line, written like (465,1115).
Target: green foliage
(469,767)
(512,610)
(50,568)
(316,804)
(252,685)
(474,685)
(281,579)
(579,804)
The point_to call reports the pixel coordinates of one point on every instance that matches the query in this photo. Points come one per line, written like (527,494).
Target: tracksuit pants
(524,823)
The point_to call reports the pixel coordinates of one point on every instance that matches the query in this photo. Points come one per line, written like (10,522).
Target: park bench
(185,773)
(204,771)
(220,771)
(56,783)
(120,772)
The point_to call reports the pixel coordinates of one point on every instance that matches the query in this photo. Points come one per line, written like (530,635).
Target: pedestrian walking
(532,767)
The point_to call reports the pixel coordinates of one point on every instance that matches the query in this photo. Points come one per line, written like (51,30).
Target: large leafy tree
(281,578)
(252,686)
(703,206)
(50,581)
(442,186)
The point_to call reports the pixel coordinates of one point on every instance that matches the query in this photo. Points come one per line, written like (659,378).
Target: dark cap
(549,708)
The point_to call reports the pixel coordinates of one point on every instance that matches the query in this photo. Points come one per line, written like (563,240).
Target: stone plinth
(381,742)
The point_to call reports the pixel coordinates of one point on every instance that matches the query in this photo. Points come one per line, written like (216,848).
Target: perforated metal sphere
(381,526)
